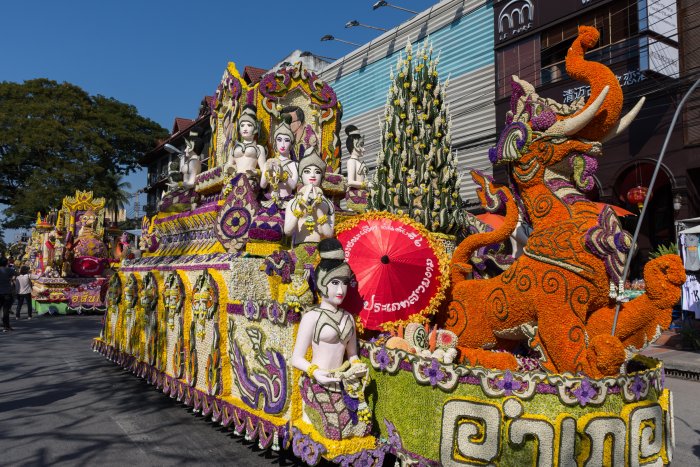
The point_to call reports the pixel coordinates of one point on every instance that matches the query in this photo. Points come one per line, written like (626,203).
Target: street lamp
(328,37)
(172,149)
(383,3)
(354,23)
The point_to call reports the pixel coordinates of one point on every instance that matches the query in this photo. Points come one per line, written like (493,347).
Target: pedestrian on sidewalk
(24,291)
(6,283)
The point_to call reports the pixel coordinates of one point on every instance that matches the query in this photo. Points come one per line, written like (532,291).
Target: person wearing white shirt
(24,291)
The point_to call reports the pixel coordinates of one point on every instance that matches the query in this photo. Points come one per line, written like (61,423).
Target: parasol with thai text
(401,269)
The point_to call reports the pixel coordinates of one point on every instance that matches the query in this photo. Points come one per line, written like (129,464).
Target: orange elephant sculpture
(561,293)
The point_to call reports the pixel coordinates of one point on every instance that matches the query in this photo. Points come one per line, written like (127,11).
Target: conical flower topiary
(416,169)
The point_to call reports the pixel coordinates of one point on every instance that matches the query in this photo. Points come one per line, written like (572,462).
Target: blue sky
(164,56)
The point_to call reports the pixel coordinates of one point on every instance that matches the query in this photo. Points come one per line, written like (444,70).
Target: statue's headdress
(311,158)
(332,264)
(249,114)
(284,128)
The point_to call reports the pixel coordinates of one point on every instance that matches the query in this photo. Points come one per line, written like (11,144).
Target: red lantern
(637,195)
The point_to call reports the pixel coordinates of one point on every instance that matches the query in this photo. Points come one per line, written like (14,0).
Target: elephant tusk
(572,125)
(624,121)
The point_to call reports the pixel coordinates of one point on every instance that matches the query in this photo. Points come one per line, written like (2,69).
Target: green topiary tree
(416,169)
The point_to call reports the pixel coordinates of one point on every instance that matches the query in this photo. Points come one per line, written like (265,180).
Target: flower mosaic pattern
(305,448)
(237,213)
(610,243)
(235,222)
(571,390)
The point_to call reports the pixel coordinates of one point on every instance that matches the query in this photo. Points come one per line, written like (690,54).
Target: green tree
(56,138)
(115,191)
(416,169)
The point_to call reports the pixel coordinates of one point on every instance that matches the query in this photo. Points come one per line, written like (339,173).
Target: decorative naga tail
(606,123)
(492,197)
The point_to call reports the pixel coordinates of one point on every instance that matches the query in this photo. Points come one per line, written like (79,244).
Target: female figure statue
(190,165)
(335,372)
(310,216)
(248,156)
(280,172)
(356,196)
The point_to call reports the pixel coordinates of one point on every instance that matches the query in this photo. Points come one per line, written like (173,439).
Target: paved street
(685,401)
(62,404)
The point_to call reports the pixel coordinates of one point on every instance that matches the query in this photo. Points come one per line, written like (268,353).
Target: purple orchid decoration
(434,373)
(274,311)
(637,387)
(508,385)
(249,310)
(383,358)
(584,392)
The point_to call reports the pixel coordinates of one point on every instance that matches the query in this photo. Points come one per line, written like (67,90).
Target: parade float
(235,309)
(68,254)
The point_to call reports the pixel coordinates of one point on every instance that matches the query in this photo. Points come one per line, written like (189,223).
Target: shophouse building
(460,32)
(641,42)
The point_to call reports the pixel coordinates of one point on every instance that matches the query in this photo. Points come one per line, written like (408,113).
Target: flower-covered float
(247,308)
(69,256)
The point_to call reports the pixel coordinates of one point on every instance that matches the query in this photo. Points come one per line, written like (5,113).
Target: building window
(520,59)
(616,22)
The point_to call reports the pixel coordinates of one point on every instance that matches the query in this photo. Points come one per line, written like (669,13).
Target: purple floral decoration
(433,372)
(541,115)
(268,85)
(306,448)
(394,437)
(249,310)
(584,393)
(273,311)
(509,385)
(663,377)
(516,92)
(609,242)
(281,263)
(364,458)
(383,358)
(352,405)
(638,386)
(497,154)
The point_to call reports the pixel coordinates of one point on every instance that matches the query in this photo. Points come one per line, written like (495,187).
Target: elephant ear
(514,140)
(516,92)
(583,168)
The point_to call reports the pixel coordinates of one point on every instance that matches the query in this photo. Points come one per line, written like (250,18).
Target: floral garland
(443,264)
(336,448)
(305,209)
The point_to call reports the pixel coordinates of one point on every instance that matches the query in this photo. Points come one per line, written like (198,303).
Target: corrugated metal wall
(461,31)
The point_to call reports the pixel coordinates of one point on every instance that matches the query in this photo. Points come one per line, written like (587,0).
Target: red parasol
(493,220)
(618,210)
(401,270)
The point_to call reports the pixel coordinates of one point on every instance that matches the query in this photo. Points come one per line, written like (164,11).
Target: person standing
(24,291)
(6,283)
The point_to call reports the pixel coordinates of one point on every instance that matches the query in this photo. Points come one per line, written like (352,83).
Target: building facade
(459,31)
(640,42)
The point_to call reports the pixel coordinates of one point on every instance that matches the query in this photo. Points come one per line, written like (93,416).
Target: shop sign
(516,17)
(626,79)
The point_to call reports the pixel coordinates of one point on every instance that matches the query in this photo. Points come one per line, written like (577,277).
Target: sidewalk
(668,348)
